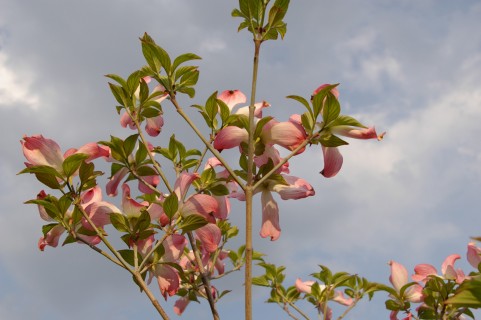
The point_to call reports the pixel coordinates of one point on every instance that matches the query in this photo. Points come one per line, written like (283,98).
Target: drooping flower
(306,287)
(422,271)
(40,151)
(474,255)
(399,278)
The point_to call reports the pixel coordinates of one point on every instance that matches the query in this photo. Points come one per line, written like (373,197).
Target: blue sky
(411,68)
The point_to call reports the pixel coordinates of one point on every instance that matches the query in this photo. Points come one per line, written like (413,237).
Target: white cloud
(15,86)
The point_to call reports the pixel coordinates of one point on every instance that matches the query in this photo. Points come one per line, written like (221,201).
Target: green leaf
(330,140)
(468,294)
(260,125)
(278,11)
(145,171)
(141,153)
(189,79)
(192,222)
(346,121)
(133,82)
(120,222)
(119,94)
(219,190)
(129,144)
(149,53)
(73,162)
(260,281)
(211,107)
(307,122)
(143,222)
(46,228)
(331,109)
(183,58)
(128,256)
(301,100)
(86,171)
(171,205)
(117,78)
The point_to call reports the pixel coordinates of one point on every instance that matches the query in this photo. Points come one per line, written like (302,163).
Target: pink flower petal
(305,286)
(422,271)
(230,137)
(399,275)
(357,133)
(232,97)
(332,162)
(270,217)
(473,255)
(210,236)
(113,184)
(42,152)
(202,204)
(154,125)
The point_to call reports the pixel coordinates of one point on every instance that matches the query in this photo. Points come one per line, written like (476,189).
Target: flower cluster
(432,290)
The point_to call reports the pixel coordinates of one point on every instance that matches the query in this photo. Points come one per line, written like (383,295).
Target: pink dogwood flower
(167,277)
(40,151)
(399,278)
(306,287)
(422,271)
(474,255)
(234,97)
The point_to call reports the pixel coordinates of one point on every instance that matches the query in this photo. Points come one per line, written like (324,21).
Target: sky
(411,68)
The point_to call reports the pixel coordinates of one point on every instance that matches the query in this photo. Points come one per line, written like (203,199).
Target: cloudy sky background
(412,68)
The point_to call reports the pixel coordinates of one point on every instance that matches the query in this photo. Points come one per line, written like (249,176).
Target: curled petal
(180,305)
(230,137)
(156,212)
(257,111)
(43,214)
(232,97)
(297,189)
(270,217)
(114,182)
(414,293)
(357,133)
(92,149)
(447,268)
(399,275)
(287,134)
(332,162)
(223,205)
(154,125)
(210,236)
(174,247)
(473,255)
(126,120)
(51,238)
(99,213)
(168,280)
(183,183)
(42,152)
(130,207)
(341,299)
(151,180)
(422,271)
(305,286)
(203,205)
(91,195)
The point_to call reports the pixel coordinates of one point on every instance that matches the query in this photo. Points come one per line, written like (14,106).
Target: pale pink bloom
(399,278)
(230,137)
(270,217)
(232,98)
(201,204)
(257,109)
(183,182)
(92,149)
(270,152)
(474,255)
(289,134)
(51,238)
(41,210)
(332,161)
(357,133)
(210,236)
(115,180)
(154,125)
(180,305)
(130,207)
(42,152)
(167,276)
(304,286)
(298,188)
(151,180)
(422,271)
